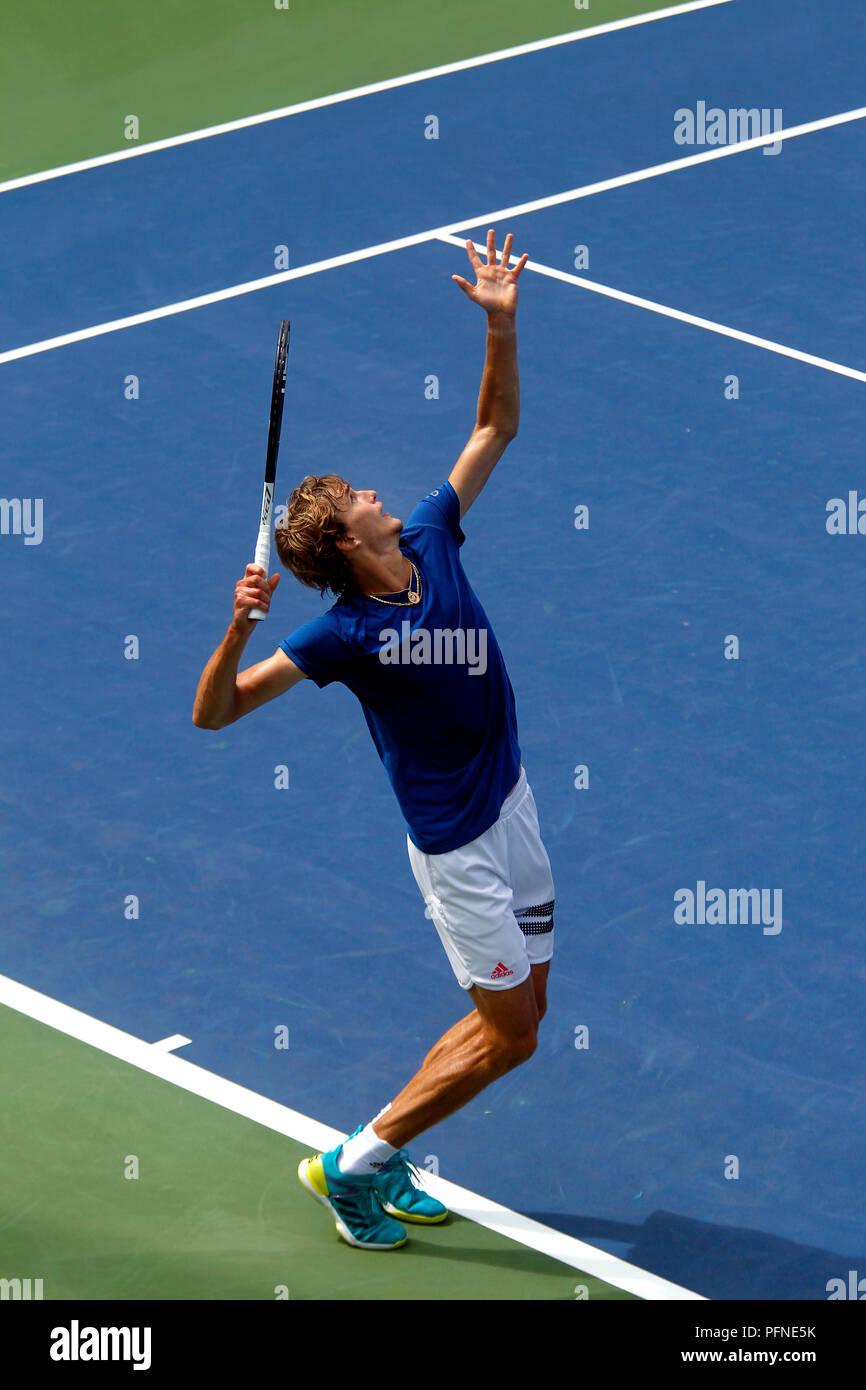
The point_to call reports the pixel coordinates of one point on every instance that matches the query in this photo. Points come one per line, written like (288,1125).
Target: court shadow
(543,1275)
(721,1262)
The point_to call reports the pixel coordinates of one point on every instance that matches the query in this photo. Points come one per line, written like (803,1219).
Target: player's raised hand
(253,591)
(495,287)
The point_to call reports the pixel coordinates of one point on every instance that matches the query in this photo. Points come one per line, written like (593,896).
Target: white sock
(365,1153)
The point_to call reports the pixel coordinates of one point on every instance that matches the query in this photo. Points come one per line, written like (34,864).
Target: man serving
(408,636)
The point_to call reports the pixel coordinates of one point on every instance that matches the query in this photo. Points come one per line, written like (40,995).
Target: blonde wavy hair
(305,539)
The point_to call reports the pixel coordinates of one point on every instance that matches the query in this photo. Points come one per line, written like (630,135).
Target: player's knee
(528,1045)
(509,1050)
(525,1045)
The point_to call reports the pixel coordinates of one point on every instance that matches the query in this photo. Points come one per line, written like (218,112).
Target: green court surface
(216,1211)
(71,74)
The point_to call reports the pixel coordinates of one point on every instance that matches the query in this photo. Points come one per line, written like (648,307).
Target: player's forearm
(499,397)
(215,698)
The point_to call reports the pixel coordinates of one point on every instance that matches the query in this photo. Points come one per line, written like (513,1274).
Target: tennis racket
(263,544)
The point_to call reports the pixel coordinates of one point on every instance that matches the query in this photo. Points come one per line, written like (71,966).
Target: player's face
(364,517)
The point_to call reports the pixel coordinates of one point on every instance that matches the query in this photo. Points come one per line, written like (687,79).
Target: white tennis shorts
(491,900)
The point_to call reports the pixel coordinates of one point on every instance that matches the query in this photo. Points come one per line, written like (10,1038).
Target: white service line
(655,171)
(147,1057)
(433,234)
(664,309)
(354,92)
(200,301)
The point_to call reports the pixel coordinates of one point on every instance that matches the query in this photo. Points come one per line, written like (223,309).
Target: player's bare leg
(498,1035)
(472,1023)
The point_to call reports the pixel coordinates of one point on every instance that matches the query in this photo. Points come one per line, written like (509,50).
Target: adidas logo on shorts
(501,972)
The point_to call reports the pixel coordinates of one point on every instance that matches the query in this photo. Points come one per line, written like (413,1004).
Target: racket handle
(263,558)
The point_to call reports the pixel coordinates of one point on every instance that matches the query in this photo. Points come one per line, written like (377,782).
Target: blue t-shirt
(431,681)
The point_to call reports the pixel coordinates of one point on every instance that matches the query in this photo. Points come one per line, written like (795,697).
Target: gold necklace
(414,591)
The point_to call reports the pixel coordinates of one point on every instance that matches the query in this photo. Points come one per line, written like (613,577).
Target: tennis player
(409,637)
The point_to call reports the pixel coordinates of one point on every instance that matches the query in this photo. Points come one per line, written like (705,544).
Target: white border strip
(354,92)
(197,1081)
(664,309)
(440,233)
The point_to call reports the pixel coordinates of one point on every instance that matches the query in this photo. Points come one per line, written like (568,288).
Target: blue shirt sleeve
(318,648)
(440,508)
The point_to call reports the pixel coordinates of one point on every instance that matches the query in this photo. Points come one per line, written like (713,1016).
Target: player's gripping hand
(253,591)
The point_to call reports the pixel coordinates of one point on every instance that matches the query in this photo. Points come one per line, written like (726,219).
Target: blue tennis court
(695,1105)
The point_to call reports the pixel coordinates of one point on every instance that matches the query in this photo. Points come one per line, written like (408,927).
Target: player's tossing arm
(499,399)
(224,694)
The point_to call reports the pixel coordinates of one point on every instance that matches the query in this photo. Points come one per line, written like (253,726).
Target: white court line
(654,171)
(197,1081)
(354,92)
(438,233)
(170,1044)
(664,309)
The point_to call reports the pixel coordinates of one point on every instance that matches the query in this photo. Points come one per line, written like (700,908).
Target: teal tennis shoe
(353,1202)
(398,1184)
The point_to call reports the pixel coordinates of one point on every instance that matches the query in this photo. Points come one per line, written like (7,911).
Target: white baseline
(354,92)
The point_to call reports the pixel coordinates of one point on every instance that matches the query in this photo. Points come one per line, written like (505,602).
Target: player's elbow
(498,432)
(502,435)
(203,720)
